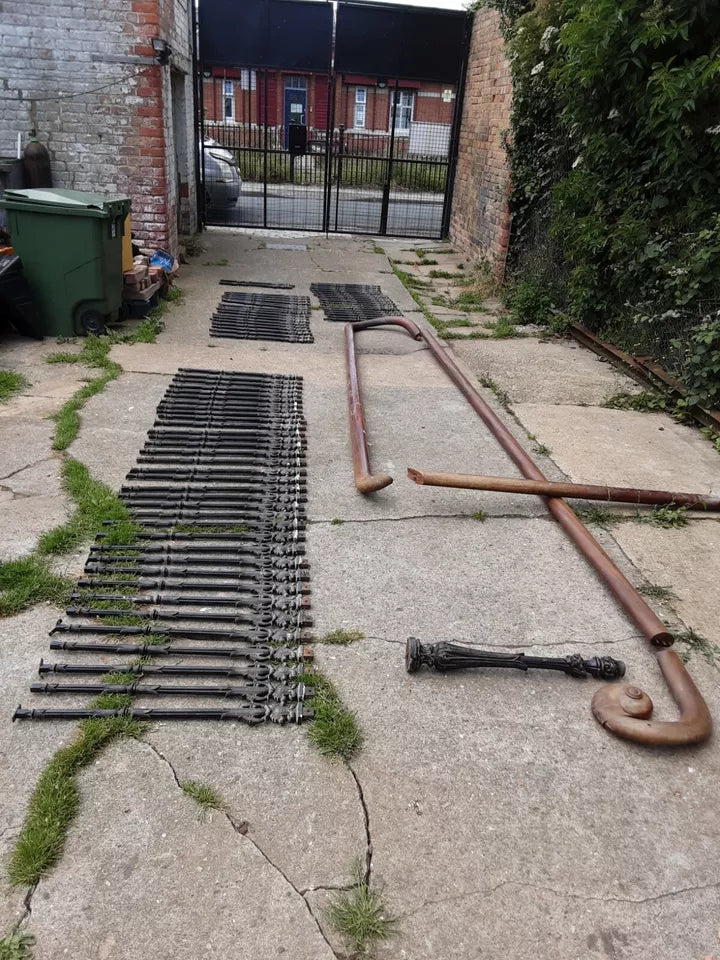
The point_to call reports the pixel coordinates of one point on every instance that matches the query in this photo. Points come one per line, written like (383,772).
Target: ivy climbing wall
(480,222)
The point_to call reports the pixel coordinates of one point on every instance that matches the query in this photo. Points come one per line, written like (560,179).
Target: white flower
(713,129)
(613,113)
(537,68)
(577,161)
(547,37)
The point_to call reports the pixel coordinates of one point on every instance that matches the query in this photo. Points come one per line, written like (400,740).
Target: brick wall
(480,221)
(73,70)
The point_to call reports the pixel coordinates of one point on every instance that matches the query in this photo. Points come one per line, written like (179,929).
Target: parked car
(222,177)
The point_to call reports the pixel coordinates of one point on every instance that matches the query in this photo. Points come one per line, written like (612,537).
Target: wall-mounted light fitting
(382,83)
(162,50)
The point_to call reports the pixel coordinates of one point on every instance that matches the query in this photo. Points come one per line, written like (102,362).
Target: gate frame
(393,86)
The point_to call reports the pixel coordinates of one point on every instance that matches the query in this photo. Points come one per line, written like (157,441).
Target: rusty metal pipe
(627,596)
(625,710)
(365,481)
(616,714)
(549,488)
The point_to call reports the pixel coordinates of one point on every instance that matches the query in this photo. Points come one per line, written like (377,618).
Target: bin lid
(66,202)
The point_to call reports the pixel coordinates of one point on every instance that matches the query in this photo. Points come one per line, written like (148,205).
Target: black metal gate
(312,135)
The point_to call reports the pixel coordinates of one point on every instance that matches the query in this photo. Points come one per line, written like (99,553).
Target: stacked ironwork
(350,302)
(216,560)
(262,316)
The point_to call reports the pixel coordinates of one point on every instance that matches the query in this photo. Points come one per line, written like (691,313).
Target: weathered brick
(480,220)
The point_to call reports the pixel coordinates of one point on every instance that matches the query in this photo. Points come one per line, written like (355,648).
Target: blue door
(295,103)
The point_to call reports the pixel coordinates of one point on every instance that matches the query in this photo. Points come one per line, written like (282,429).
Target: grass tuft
(599,516)
(698,644)
(646,400)
(342,637)
(665,517)
(56,798)
(94,504)
(500,395)
(655,592)
(17,946)
(336,522)
(479,515)
(10,384)
(361,916)
(207,798)
(379,250)
(334,732)
(28,581)
(542,450)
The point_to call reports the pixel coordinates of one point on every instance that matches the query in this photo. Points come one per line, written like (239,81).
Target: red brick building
(243,100)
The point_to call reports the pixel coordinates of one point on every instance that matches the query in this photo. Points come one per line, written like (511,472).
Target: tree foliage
(614,150)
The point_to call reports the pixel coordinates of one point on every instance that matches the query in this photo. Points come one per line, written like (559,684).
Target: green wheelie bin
(70,245)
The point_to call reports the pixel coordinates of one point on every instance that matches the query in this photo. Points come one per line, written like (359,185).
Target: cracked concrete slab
(501,817)
(24,749)
(544,371)
(623,447)
(33,499)
(684,559)
(115,425)
(144,873)
(486,787)
(504,582)
(300,809)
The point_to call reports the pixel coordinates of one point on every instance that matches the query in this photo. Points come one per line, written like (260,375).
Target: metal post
(341,147)
(265,151)
(386,188)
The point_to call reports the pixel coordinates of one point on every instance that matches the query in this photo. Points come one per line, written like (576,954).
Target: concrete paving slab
(507,582)
(549,371)
(482,790)
(24,748)
(684,559)
(142,872)
(624,448)
(115,424)
(407,426)
(301,810)
(32,497)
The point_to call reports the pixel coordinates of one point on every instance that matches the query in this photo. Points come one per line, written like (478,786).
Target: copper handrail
(695,723)
(551,488)
(365,481)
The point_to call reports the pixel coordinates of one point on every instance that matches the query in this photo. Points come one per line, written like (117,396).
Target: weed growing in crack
(542,450)
(206,797)
(479,515)
(599,516)
(17,946)
(55,800)
(28,581)
(665,517)
(342,637)
(500,395)
(698,644)
(360,914)
(10,384)
(655,592)
(95,503)
(334,732)
(645,401)
(217,263)
(410,283)
(336,522)
(379,251)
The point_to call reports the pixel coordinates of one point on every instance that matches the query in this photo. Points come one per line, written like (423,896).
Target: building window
(248,79)
(403,110)
(295,83)
(360,108)
(228,100)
